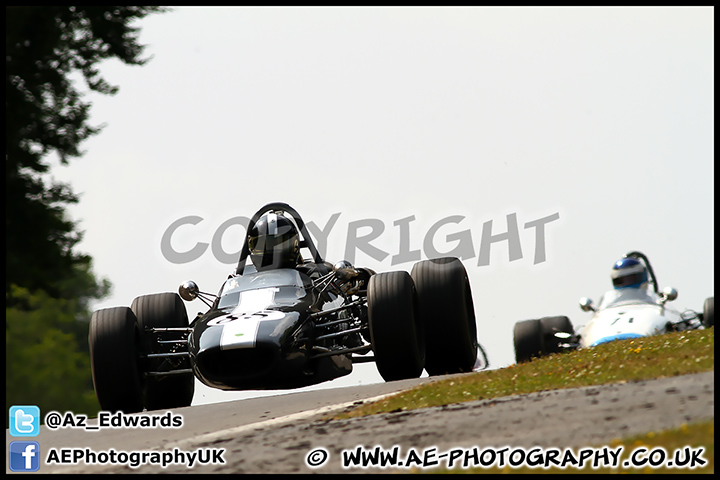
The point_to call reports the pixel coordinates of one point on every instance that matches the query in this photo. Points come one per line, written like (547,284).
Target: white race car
(635,308)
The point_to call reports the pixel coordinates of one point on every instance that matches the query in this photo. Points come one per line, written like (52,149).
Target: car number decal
(240,331)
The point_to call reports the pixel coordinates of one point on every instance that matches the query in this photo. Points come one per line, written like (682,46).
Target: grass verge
(672,354)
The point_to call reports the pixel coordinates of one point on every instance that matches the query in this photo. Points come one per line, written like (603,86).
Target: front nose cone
(248,351)
(238,364)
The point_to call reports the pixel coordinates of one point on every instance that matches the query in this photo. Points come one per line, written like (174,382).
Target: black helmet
(274,242)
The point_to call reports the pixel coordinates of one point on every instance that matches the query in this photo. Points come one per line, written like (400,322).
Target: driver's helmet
(274,243)
(629,273)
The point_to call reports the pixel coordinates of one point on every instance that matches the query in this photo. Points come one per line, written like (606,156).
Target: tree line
(49,284)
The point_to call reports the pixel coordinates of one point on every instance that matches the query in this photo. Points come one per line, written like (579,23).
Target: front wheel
(550,327)
(114,339)
(396,333)
(536,338)
(527,339)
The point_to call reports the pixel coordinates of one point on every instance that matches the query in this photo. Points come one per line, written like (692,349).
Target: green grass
(666,355)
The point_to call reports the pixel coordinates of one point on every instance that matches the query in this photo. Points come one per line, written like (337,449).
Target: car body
(284,328)
(620,314)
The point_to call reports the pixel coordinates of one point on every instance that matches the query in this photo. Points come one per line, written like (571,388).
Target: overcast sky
(591,129)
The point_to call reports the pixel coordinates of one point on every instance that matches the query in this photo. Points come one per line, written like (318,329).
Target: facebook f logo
(24,421)
(24,456)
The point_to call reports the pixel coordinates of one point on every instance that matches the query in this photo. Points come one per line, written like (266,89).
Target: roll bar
(641,256)
(306,241)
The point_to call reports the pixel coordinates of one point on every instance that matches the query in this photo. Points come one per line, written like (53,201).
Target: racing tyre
(527,338)
(447,314)
(164,310)
(709,312)
(551,326)
(396,333)
(114,339)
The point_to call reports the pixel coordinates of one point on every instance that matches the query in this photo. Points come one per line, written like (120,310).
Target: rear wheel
(448,315)
(396,333)
(164,310)
(114,339)
(709,312)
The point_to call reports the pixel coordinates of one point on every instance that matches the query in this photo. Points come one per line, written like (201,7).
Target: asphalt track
(277,434)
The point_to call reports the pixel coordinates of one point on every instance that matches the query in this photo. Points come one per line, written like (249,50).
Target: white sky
(601,115)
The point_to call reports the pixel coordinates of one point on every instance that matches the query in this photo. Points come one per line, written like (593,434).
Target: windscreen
(274,287)
(626,296)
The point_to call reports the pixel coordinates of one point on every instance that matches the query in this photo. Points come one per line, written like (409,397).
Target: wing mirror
(586,305)
(668,294)
(345,271)
(189,290)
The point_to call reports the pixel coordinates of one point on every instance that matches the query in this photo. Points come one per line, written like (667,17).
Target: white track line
(231,432)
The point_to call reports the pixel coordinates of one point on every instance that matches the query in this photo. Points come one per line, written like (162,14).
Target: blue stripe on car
(621,336)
